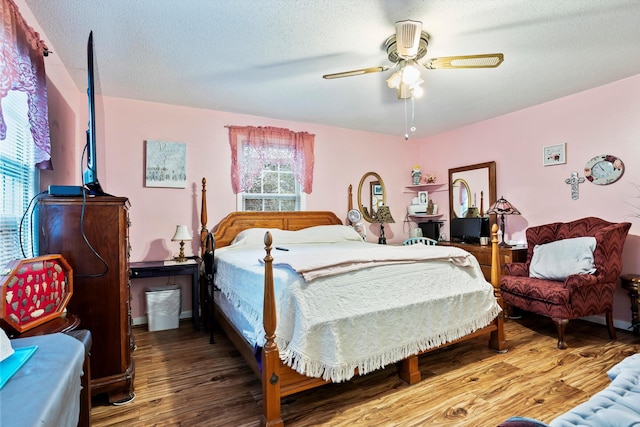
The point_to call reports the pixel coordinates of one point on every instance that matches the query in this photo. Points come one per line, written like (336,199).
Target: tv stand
(100,283)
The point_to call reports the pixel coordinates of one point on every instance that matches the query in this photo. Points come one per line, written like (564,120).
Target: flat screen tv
(90,176)
(469,230)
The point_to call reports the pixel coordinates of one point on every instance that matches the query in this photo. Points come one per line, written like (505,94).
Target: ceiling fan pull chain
(406,130)
(413,113)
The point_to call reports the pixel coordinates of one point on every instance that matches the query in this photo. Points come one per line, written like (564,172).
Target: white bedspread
(350,256)
(365,318)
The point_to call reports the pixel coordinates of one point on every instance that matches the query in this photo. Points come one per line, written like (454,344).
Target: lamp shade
(383,215)
(181,234)
(503,207)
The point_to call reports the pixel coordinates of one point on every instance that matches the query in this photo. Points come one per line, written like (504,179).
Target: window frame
(243,196)
(18,234)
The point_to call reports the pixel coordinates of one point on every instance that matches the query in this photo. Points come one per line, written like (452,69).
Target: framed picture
(166,164)
(554,155)
(423,197)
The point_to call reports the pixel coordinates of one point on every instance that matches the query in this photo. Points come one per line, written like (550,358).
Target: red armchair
(578,295)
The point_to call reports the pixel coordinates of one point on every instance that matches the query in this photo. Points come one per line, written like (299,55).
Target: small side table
(191,267)
(630,283)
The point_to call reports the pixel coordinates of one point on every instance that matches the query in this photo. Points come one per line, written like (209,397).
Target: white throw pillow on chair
(562,258)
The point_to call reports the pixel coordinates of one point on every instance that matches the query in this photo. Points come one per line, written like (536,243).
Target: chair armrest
(516,269)
(608,253)
(580,280)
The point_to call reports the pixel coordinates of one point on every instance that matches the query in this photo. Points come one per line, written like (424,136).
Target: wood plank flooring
(182,380)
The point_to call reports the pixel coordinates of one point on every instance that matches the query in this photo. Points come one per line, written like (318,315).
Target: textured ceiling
(267,58)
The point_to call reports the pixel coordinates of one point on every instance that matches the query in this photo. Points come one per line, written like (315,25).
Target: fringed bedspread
(360,319)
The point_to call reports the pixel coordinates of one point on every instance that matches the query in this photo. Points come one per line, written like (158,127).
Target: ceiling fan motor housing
(409,42)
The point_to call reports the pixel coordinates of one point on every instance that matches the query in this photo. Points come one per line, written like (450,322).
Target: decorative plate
(604,169)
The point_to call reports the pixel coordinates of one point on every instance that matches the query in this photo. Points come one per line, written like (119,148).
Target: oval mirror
(461,195)
(371,195)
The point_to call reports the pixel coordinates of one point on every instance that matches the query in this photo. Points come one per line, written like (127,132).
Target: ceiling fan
(406,48)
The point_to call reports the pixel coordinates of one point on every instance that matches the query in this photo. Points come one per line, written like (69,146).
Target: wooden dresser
(101,280)
(483,255)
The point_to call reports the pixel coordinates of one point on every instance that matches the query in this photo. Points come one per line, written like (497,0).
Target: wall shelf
(423,187)
(424,216)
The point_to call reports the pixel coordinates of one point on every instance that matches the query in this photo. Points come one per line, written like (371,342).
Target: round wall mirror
(371,195)
(460,197)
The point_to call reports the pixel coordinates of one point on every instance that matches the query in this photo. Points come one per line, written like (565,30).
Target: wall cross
(574,181)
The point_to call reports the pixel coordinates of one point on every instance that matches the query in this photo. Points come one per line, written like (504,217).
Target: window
(275,189)
(271,168)
(18,180)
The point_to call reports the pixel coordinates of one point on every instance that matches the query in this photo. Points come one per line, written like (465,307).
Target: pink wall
(341,158)
(603,120)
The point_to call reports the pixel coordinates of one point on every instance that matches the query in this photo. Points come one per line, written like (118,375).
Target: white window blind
(18,180)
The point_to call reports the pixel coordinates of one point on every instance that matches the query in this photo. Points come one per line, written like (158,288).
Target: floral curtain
(22,68)
(269,145)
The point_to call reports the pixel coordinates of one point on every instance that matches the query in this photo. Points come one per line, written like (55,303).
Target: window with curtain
(24,131)
(18,179)
(271,168)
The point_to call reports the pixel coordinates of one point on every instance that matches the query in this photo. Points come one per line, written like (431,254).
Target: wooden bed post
(497,341)
(203,217)
(270,355)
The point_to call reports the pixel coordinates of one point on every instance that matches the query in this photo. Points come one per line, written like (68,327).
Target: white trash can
(163,307)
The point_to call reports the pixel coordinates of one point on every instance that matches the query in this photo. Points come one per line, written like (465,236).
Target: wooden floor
(182,380)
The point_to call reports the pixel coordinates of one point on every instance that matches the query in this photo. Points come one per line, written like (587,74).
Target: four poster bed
(345,307)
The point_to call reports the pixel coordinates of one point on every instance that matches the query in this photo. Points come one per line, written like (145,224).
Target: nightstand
(630,283)
(483,255)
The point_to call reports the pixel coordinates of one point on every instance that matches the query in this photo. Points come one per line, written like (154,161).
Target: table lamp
(182,235)
(382,217)
(502,207)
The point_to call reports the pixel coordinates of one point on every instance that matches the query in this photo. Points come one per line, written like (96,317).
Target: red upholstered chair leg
(561,324)
(612,329)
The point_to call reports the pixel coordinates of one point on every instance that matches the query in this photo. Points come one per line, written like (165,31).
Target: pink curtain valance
(264,145)
(22,68)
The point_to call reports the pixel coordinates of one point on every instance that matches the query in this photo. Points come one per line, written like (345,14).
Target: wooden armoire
(92,235)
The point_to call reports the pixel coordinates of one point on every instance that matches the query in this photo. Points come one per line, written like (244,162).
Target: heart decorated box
(34,291)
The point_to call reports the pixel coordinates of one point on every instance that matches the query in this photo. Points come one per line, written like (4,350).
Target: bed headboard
(236,222)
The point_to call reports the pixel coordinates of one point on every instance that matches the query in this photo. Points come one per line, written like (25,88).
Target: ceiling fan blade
(487,60)
(356,72)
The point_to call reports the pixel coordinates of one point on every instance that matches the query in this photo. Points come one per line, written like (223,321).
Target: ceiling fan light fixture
(394,80)
(410,73)
(405,91)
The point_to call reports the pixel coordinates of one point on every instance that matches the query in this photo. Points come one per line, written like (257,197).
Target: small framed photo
(423,197)
(554,155)
(377,189)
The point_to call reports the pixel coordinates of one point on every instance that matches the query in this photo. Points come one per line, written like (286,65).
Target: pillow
(562,258)
(522,422)
(317,234)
